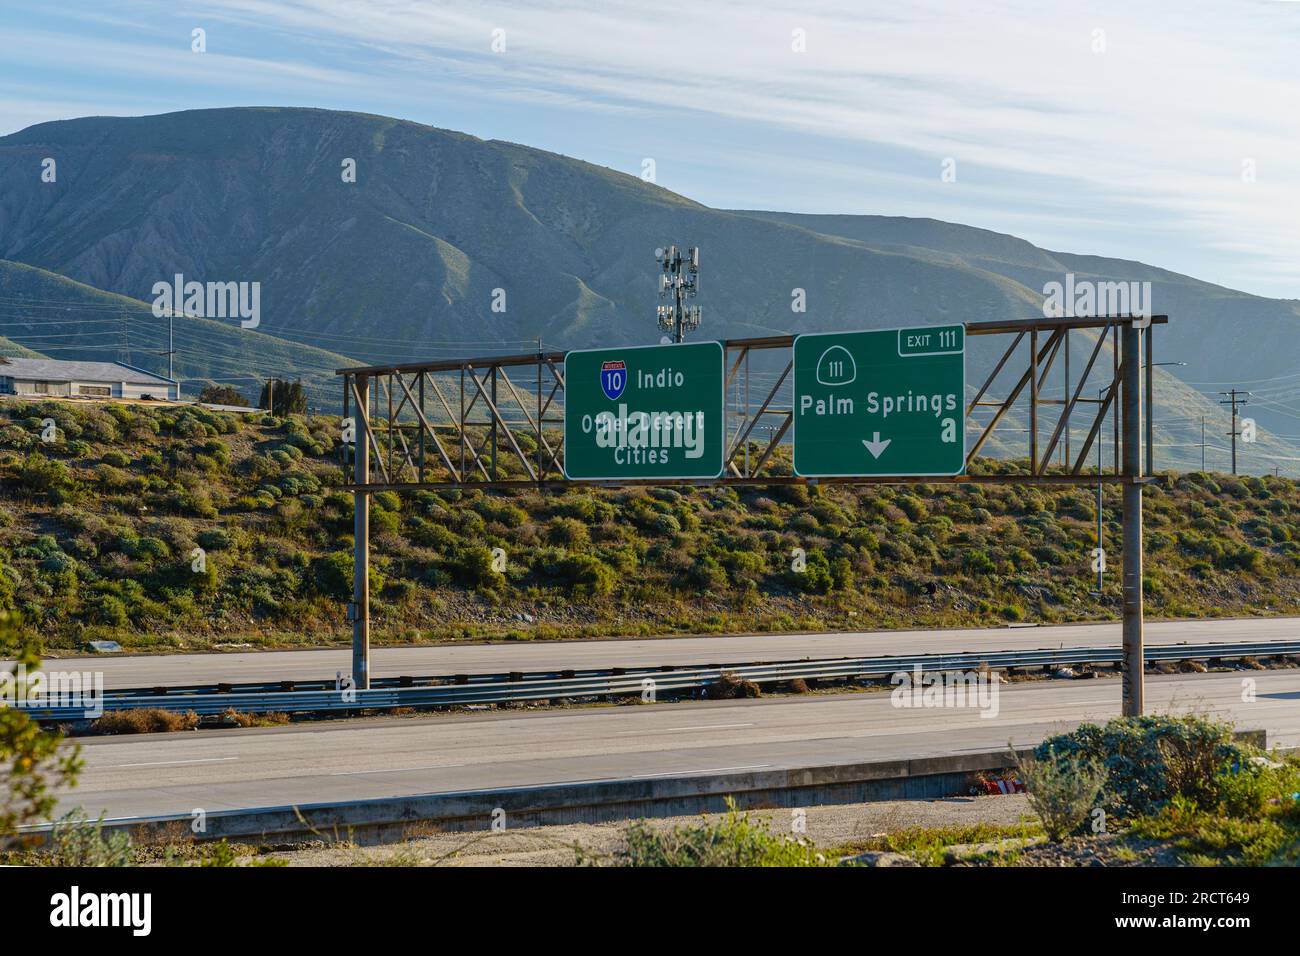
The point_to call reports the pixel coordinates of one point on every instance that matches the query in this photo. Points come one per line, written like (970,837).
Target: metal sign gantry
(498,422)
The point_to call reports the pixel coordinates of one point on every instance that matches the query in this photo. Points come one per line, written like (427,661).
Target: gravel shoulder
(827,826)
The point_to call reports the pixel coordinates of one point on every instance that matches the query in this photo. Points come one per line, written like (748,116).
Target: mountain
(64,319)
(408,261)
(14,350)
(1213,324)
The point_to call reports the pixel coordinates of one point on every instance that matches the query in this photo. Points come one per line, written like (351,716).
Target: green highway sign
(881,403)
(650,411)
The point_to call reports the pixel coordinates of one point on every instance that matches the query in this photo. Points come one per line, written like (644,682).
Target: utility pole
(1131,395)
(679,279)
(1234,401)
(1202,444)
(171,350)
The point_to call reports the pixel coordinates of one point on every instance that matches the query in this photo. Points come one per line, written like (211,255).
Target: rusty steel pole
(1132,426)
(361,542)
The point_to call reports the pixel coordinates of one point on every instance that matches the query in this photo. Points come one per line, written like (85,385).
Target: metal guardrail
(325,696)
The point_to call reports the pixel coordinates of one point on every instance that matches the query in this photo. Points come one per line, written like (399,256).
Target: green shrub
(36,764)
(1151,759)
(215,539)
(1062,789)
(17,437)
(111,611)
(913,507)
(568,533)
(8,585)
(707,575)
(43,475)
(744,566)
(816,576)
(425,532)
(501,511)
(897,550)
(75,841)
(473,567)
(665,525)
(587,576)
(1253,787)
(382,522)
(333,575)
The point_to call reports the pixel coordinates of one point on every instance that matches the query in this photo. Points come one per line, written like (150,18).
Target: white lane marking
(163,763)
(640,776)
(679,773)
(645,776)
(357,773)
(664,730)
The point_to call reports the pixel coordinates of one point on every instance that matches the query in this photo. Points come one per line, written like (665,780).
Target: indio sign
(653,411)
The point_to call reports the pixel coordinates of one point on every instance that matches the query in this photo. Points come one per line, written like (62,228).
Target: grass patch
(927,845)
(735,840)
(1213,838)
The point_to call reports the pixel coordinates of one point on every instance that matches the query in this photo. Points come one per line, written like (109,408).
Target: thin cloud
(1156,130)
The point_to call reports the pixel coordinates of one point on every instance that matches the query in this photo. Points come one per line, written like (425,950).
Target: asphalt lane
(347,760)
(181,669)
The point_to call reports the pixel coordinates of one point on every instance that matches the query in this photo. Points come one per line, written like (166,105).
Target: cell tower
(679,279)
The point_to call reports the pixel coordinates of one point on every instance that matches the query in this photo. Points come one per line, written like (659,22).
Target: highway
(181,669)
(346,760)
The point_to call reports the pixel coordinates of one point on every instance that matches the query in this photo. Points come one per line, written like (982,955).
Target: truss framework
(497,421)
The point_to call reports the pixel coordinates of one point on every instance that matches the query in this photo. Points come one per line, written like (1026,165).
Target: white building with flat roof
(50,378)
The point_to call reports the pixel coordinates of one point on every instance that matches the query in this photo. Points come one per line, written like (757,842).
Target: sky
(1166,131)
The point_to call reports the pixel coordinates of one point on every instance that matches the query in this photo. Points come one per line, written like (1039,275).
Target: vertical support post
(1065,457)
(419,423)
(342,446)
(748,473)
(1115,405)
(1101,574)
(361,544)
(1132,400)
(493,390)
(1033,401)
(540,464)
(1149,412)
